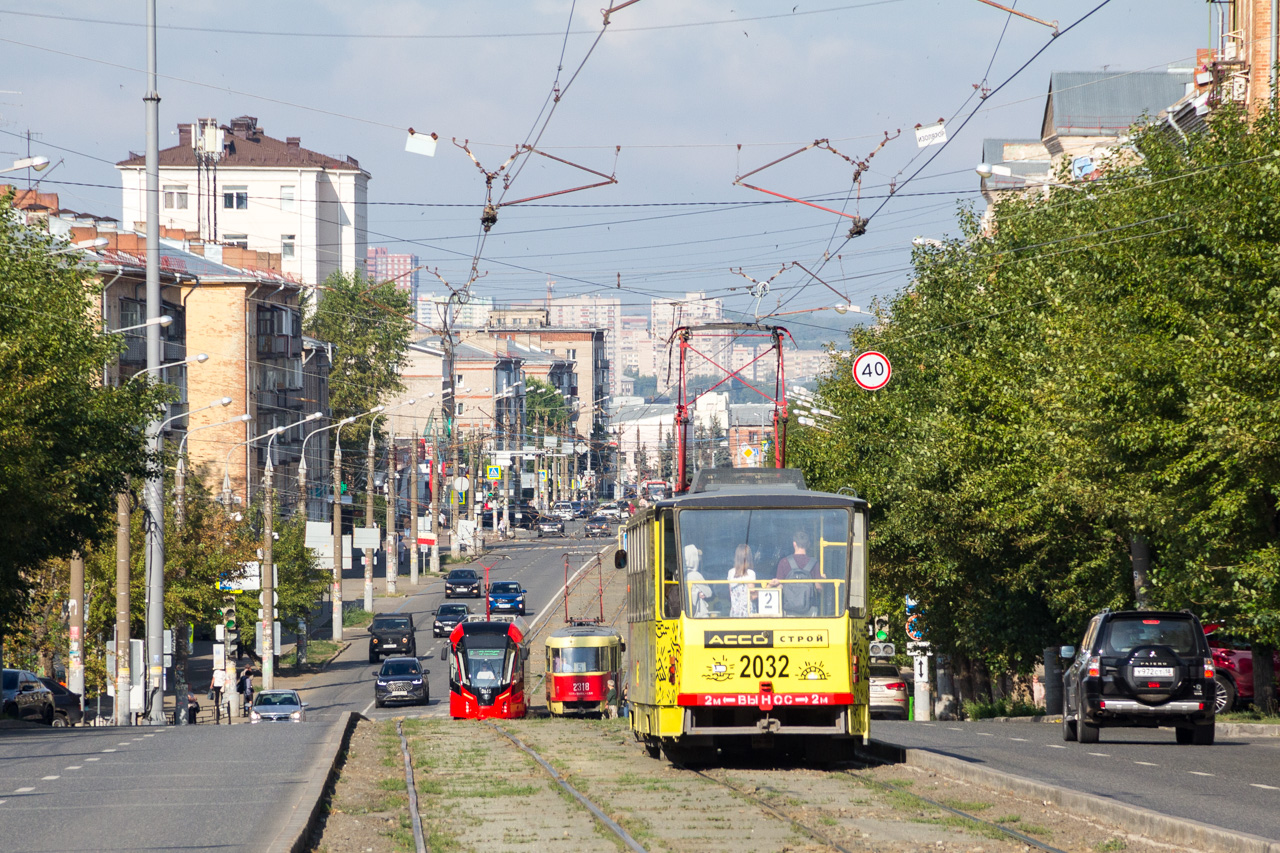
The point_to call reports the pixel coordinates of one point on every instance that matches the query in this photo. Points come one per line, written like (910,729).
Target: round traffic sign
(914,629)
(461,484)
(871,370)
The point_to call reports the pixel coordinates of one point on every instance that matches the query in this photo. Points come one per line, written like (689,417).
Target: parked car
(25,698)
(278,706)
(563,510)
(610,510)
(448,617)
(598,525)
(888,691)
(401,680)
(461,582)
(1233,660)
(66,704)
(506,597)
(392,634)
(1140,668)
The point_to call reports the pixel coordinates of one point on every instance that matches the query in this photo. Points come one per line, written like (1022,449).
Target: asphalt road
(347,683)
(232,787)
(1234,784)
(145,788)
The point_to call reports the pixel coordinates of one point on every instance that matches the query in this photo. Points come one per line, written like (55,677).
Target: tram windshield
(485,661)
(767,562)
(583,659)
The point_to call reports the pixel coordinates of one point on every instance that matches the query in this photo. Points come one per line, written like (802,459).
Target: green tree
(67,443)
(369,325)
(543,404)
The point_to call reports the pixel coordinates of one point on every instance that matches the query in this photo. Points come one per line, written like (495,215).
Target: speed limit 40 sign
(871,370)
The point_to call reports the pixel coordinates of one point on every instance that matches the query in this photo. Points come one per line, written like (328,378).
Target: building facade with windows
(234,185)
(400,267)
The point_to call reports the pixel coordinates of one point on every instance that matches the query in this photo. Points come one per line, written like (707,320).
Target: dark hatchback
(66,704)
(598,525)
(550,525)
(391,635)
(401,680)
(25,698)
(1140,668)
(448,617)
(462,582)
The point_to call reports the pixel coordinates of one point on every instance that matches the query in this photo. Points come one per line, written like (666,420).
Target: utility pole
(152,491)
(413,509)
(389,535)
(124,716)
(336,595)
(436,467)
(268,576)
(75,647)
(369,556)
(181,650)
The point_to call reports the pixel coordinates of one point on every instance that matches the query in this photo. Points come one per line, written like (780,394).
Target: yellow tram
(747,611)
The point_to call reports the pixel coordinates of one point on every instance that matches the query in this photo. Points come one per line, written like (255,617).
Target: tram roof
(587,635)
(753,487)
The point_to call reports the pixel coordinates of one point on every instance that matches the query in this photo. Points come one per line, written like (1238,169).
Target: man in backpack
(798,599)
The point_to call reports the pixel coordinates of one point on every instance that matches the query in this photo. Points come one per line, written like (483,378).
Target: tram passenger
(699,592)
(798,599)
(742,579)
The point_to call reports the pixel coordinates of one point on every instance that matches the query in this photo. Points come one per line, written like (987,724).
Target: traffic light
(882,628)
(230,624)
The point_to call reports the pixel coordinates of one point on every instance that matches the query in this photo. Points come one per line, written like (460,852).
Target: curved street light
(39,163)
(192,359)
(162,320)
(180,478)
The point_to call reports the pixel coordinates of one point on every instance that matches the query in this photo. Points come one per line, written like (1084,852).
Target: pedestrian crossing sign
(542,476)
(494,472)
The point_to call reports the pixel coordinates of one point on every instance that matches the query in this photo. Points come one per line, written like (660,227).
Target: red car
(1234,663)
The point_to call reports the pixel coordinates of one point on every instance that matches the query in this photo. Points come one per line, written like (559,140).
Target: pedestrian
(244,686)
(215,693)
(193,709)
(502,526)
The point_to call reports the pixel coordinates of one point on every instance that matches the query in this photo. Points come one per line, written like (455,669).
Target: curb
(1221,729)
(1151,824)
(308,811)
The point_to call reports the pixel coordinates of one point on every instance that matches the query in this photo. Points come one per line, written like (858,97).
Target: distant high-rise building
(598,312)
(382,265)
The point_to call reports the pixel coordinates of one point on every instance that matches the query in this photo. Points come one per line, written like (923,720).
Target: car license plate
(1153,671)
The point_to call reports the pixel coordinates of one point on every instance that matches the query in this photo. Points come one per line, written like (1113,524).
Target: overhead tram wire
(952,136)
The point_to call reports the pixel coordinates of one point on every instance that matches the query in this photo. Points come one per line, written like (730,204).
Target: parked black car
(392,634)
(1140,668)
(448,617)
(25,698)
(401,680)
(66,704)
(460,582)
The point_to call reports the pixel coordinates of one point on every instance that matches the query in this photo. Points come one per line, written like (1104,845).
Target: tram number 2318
(764,666)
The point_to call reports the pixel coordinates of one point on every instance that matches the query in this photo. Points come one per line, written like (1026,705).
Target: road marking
(23,790)
(1101,754)
(2,802)
(76,767)
(124,743)
(49,778)
(1146,764)
(1055,746)
(929,725)
(1019,739)
(365,712)
(108,750)
(1198,773)
(954,729)
(95,758)
(985,734)
(1264,787)
(150,735)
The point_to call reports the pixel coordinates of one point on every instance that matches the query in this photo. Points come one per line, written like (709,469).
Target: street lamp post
(336,596)
(368,514)
(268,556)
(37,163)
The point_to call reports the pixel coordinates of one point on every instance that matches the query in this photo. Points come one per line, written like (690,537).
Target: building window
(175,197)
(287,243)
(241,240)
(457,410)
(288,199)
(235,198)
(573,354)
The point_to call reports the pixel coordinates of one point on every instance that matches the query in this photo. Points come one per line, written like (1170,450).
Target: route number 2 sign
(871,370)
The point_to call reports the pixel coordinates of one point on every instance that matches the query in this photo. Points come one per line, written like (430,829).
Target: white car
(609,511)
(563,510)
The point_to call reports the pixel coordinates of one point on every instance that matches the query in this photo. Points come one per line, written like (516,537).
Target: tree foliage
(368,324)
(67,443)
(545,405)
(1103,364)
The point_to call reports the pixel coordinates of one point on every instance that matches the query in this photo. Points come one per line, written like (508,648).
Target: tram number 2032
(764,666)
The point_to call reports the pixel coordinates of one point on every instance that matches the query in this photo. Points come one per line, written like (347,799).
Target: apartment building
(401,267)
(597,312)
(234,185)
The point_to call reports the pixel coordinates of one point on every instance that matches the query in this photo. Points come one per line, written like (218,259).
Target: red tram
(486,670)
(584,663)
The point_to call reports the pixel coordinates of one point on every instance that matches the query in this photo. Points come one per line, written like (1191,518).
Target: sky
(676,99)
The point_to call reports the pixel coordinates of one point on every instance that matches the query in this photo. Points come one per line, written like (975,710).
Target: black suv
(392,634)
(1140,668)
